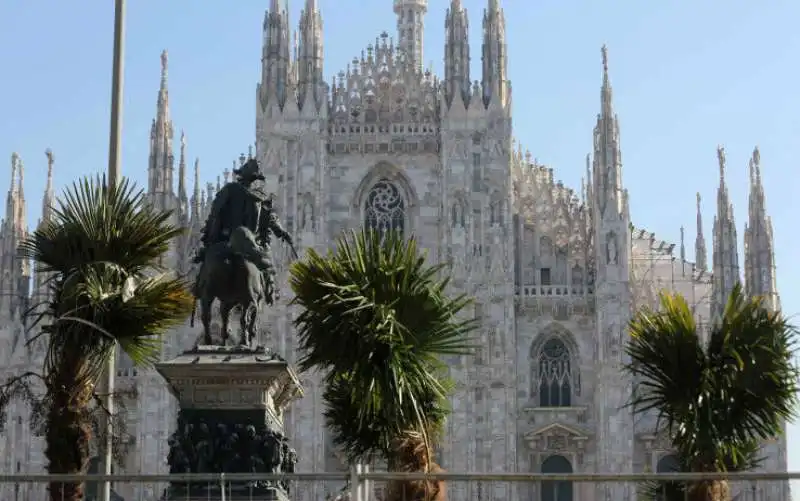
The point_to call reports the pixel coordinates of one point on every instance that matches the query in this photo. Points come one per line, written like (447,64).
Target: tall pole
(114,161)
(115,137)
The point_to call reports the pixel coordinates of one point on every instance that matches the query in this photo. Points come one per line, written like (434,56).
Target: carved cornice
(227,379)
(556,437)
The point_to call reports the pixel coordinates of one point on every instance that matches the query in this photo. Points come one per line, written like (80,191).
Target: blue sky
(687,76)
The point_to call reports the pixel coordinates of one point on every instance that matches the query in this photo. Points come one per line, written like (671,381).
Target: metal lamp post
(114,161)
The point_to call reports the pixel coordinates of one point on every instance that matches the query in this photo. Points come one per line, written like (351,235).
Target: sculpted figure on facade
(612,251)
(236,265)
(307,216)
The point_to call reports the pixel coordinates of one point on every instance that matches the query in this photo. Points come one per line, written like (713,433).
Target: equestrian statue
(236,265)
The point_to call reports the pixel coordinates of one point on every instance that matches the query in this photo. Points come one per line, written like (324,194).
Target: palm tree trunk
(711,490)
(67,439)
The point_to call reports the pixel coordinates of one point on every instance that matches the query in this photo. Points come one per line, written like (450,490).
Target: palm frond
(667,360)
(752,350)
(365,422)
(378,320)
(718,398)
(94,222)
(374,291)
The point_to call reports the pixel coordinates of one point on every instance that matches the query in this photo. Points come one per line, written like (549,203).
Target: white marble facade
(555,273)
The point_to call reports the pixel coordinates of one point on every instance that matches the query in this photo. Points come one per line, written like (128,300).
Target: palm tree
(717,396)
(377,320)
(100,252)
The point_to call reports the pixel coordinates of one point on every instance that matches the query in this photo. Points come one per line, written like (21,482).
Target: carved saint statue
(307,217)
(236,265)
(612,251)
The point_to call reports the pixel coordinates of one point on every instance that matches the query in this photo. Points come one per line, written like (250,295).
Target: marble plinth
(232,402)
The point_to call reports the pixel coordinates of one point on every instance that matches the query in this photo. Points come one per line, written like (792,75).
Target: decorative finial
(250,152)
(683,247)
(757,164)
(14,163)
(604,52)
(698,201)
(183,139)
(50,161)
(242,159)
(226,175)
(164,58)
(721,160)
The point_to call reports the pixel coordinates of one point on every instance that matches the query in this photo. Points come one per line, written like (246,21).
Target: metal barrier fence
(382,486)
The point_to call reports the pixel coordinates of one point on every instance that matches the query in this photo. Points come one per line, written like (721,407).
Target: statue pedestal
(232,402)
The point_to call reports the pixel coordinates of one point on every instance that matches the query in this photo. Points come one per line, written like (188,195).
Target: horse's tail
(194,310)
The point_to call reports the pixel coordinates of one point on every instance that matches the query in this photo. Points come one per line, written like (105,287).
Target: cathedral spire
(41,288)
(725,254)
(48,200)
(411,29)
(606,92)
(183,199)
(197,195)
(275,56)
(310,57)
(162,161)
(495,63)
(21,215)
(700,252)
(456,54)
(759,247)
(14,273)
(11,197)
(607,176)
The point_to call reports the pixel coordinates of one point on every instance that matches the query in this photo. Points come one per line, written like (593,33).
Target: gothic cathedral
(555,273)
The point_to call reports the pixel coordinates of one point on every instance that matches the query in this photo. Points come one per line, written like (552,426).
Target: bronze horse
(236,282)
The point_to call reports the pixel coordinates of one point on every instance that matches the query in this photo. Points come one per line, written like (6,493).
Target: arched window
(555,371)
(556,490)
(384,208)
(669,489)
(668,464)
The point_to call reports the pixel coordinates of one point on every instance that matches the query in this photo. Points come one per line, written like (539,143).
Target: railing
(545,291)
(382,486)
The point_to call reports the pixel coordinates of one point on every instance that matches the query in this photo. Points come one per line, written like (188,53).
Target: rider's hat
(250,170)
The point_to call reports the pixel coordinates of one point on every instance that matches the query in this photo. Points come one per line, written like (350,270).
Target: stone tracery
(555,377)
(384,207)
(555,388)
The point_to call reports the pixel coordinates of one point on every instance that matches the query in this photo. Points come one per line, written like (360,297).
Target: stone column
(232,402)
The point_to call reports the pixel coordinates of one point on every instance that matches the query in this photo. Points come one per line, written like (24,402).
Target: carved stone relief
(560,440)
